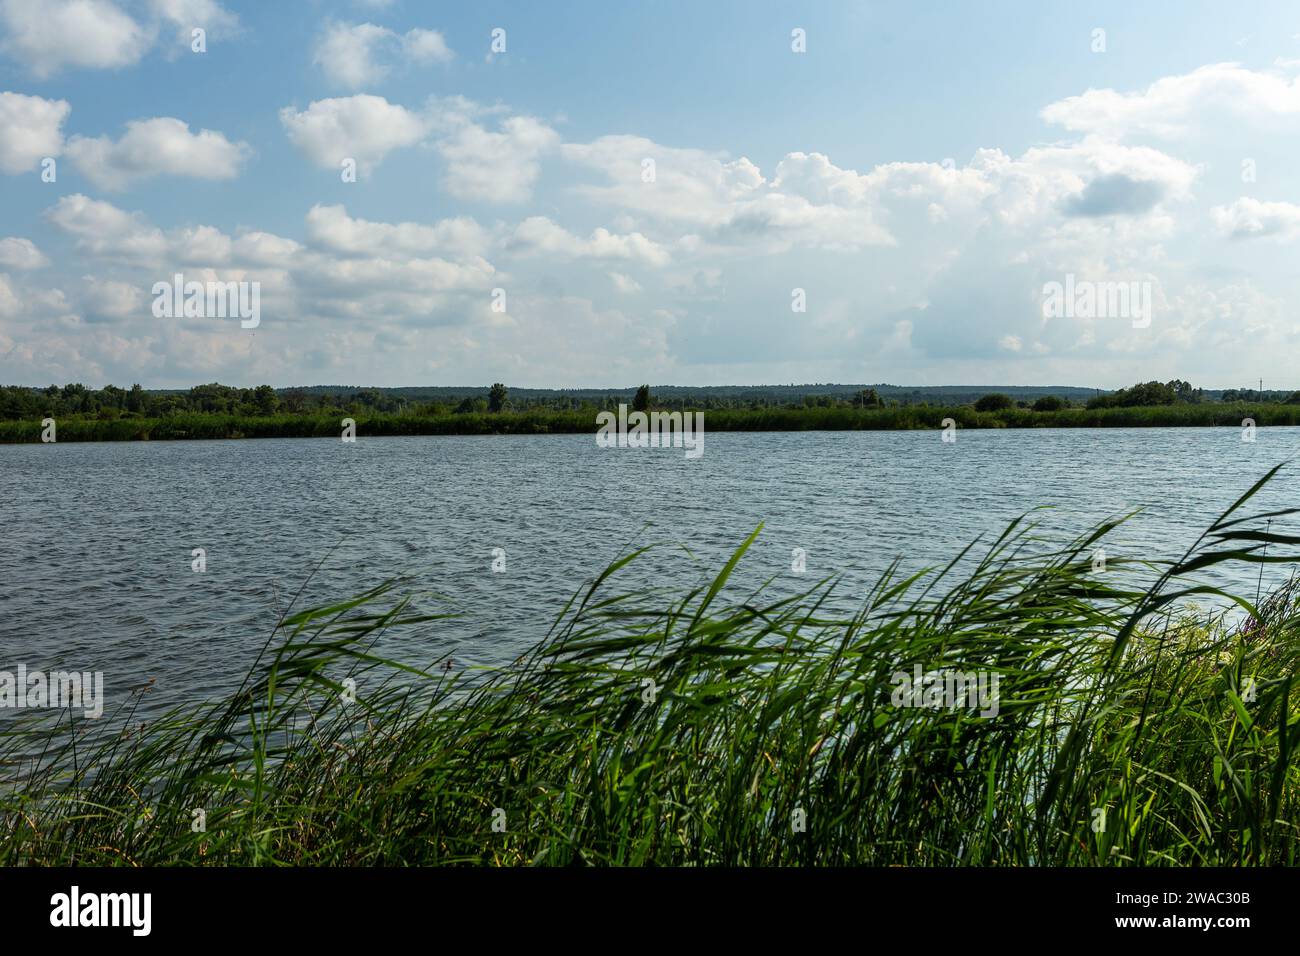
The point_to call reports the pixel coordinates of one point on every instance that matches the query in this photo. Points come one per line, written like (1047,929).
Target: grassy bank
(544,421)
(721,728)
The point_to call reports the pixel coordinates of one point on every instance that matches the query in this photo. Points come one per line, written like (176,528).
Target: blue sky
(922,172)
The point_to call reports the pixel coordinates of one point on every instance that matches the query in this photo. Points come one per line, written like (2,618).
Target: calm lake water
(96,547)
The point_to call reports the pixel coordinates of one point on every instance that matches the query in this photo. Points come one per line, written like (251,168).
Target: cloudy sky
(648,184)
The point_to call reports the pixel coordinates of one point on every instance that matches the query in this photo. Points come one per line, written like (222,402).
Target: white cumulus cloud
(355,55)
(102,229)
(31,128)
(18,253)
(48,35)
(156,147)
(1173,105)
(364,127)
(1250,218)
(331,228)
(495,166)
(539,235)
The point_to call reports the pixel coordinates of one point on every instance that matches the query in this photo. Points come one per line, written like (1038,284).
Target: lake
(96,552)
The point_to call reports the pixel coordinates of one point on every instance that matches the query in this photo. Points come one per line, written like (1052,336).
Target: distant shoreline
(211,426)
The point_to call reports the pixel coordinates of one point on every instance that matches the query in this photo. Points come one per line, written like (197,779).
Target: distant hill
(912,394)
(721,395)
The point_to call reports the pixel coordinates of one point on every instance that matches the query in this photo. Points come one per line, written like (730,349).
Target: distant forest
(110,402)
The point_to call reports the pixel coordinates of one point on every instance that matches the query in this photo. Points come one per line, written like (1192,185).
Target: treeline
(108,404)
(708,396)
(537,421)
(1150,393)
(111,402)
(1141,395)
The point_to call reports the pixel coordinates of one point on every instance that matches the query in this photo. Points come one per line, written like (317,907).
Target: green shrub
(994,402)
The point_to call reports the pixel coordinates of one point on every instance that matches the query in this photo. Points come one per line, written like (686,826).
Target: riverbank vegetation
(215,411)
(710,727)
